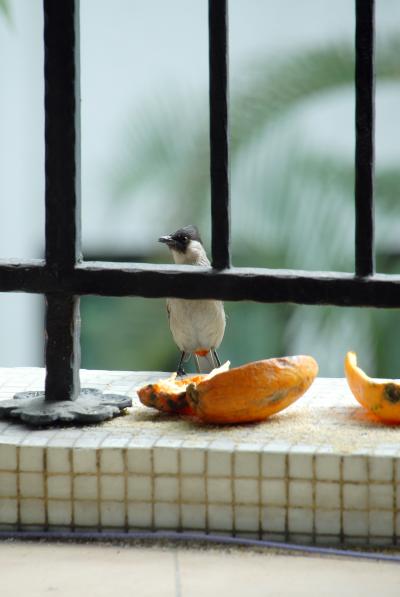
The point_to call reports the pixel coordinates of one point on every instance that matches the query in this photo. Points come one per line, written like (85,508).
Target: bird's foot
(181,372)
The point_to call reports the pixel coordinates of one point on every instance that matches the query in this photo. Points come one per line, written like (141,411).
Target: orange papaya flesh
(168,395)
(252,392)
(381,397)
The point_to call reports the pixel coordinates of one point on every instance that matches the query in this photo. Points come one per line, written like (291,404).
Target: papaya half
(379,396)
(252,392)
(169,395)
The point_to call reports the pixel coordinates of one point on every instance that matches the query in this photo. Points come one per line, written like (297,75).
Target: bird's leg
(196,360)
(180,371)
(216,358)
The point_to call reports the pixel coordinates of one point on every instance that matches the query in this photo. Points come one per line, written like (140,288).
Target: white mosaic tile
(165,460)
(274,492)
(86,513)
(8,511)
(112,487)
(328,540)
(31,485)
(327,522)
(193,489)
(8,457)
(166,489)
(355,496)
(219,490)
(301,493)
(220,517)
(273,464)
(380,541)
(193,516)
(381,496)
(301,462)
(140,515)
(381,523)
(274,537)
(246,460)
(246,491)
(247,518)
(59,486)
(273,519)
(355,468)
(84,460)
(8,484)
(193,461)
(85,487)
(327,495)
(380,469)
(112,514)
(355,523)
(139,459)
(59,512)
(112,460)
(166,516)
(300,520)
(219,461)
(31,458)
(32,511)
(327,467)
(139,488)
(58,460)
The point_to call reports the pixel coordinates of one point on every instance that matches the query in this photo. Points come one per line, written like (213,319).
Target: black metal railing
(64,276)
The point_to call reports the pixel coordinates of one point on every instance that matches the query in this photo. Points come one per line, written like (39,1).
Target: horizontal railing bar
(236,284)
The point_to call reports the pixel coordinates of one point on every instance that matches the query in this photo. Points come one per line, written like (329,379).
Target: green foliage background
(292,207)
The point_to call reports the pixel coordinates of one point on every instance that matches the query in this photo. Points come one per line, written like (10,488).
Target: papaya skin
(252,392)
(380,397)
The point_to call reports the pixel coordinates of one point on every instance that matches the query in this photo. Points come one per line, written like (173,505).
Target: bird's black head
(180,239)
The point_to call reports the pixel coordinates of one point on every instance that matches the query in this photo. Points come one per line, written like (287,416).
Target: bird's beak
(167,240)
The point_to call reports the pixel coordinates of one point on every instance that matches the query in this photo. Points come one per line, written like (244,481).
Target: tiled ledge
(320,472)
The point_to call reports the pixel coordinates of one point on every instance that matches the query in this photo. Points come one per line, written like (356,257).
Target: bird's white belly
(196,324)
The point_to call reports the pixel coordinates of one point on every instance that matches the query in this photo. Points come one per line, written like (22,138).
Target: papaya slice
(379,396)
(252,392)
(169,395)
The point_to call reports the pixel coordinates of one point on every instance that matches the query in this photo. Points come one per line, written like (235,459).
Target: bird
(197,325)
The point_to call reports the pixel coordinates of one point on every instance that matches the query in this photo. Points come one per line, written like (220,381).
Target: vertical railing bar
(62,193)
(364,158)
(219,132)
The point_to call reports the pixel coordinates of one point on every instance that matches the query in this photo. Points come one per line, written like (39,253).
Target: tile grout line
(314,496)
(394,501)
(98,489)
(45,488)
(125,459)
(152,489)
(18,472)
(368,464)
(233,492)
(206,456)
(179,479)
(286,480)
(260,524)
(71,491)
(341,498)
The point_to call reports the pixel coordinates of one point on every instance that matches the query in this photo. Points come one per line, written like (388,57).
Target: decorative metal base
(91,406)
